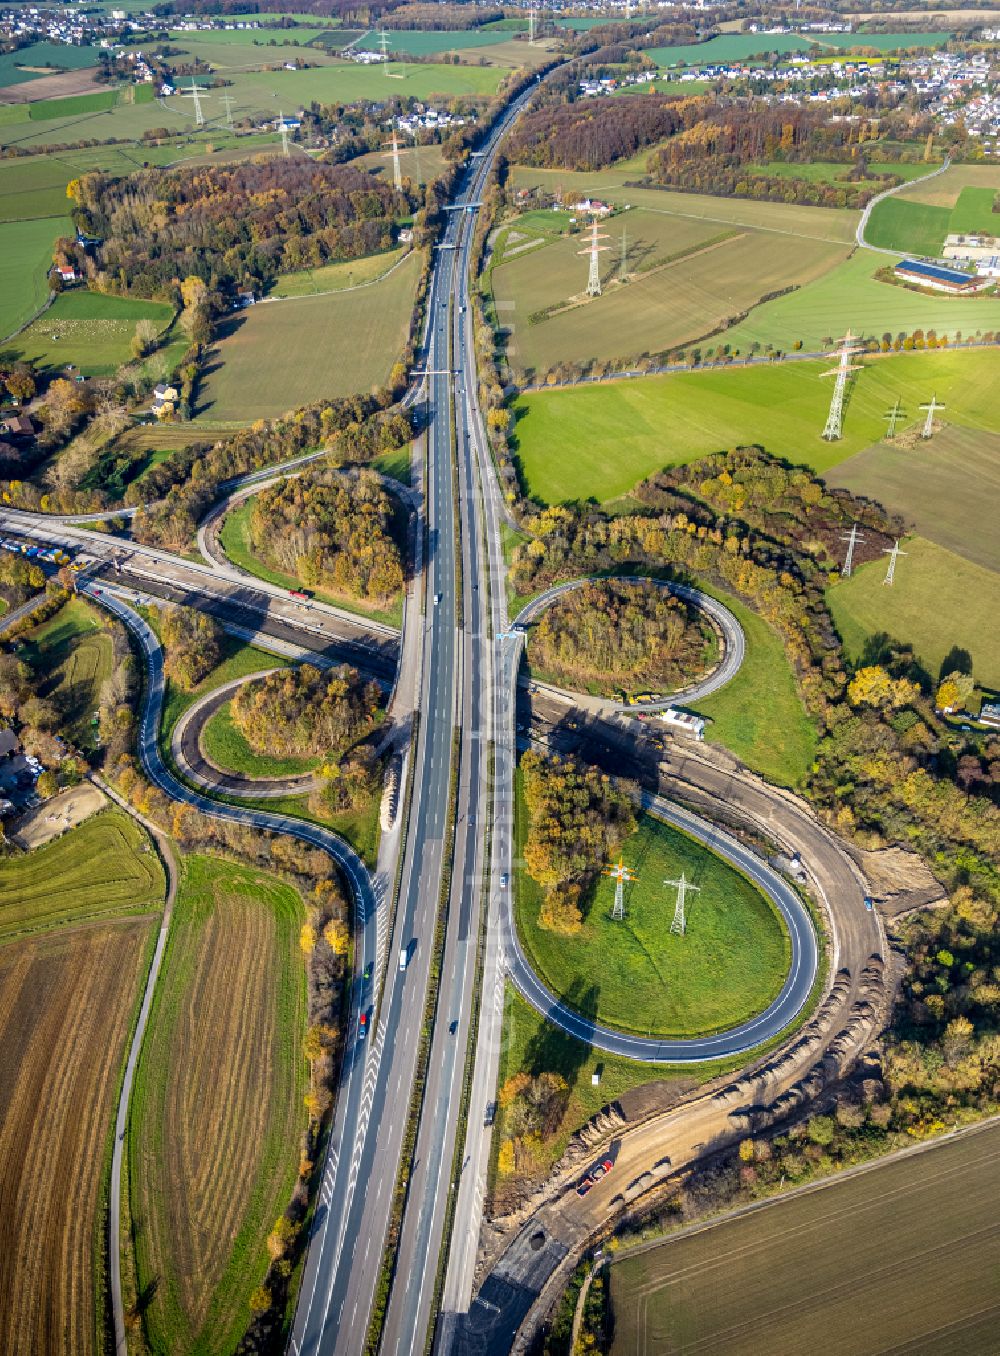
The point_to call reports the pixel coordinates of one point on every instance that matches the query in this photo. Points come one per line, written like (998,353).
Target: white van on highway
(404,956)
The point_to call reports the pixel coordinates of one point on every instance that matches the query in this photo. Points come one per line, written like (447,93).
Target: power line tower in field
(894,415)
(397,176)
(284,133)
(622,875)
(932,407)
(195,95)
(531,25)
(893,555)
(854,539)
(684,888)
(227,100)
(845,351)
(594,250)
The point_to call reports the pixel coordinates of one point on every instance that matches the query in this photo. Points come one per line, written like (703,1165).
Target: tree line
(615,635)
(231,225)
(591,133)
(333,530)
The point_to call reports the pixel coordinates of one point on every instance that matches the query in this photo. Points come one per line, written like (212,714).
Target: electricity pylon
(853,540)
(894,415)
(622,875)
(531,25)
(684,888)
(932,408)
(594,250)
(845,351)
(284,133)
(893,555)
(194,93)
(624,273)
(397,177)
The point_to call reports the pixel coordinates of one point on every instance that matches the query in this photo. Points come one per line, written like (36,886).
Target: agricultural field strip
(829,1213)
(750,225)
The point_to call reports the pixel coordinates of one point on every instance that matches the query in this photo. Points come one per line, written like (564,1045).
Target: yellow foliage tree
(505,1158)
(307,938)
(337,936)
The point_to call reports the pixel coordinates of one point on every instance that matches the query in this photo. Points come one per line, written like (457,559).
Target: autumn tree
(306,711)
(191,641)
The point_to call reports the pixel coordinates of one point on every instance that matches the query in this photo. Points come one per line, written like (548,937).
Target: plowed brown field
(218,1113)
(66,1005)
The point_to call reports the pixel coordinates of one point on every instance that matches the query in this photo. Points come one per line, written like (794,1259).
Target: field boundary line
(748,225)
(165,848)
(808,1188)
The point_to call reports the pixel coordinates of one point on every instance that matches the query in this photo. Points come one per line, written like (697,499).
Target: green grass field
(944,189)
(421,42)
(73,105)
(599,441)
(257,93)
(396,465)
(910,227)
(336,277)
(851,295)
(224,745)
(217,1107)
(637,976)
(235,538)
(105,866)
(25,258)
(859,1266)
(947,488)
(759,715)
(279,355)
(88,331)
(71,655)
(938,601)
(830,172)
(419,163)
(728,47)
(17,67)
(975,212)
(686,278)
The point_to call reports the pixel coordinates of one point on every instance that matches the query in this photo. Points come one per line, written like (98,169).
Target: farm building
(989,713)
(938,276)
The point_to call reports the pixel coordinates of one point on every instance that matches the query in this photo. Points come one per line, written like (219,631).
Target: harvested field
(947,488)
(217,1112)
(857,1267)
(67,1002)
(279,355)
(63,85)
(944,189)
(105,866)
(710,274)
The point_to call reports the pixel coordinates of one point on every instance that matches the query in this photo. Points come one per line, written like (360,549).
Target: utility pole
(227,100)
(624,272)
(622,875)
(845,351)
(932,408)
(894,415)
(594,250)
(684,888)
(855,539)
(893,555)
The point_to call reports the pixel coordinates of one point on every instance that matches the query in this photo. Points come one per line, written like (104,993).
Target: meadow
(41,58)
(599,440)
(224,745)
(944,189)
(104,866)
(261,94)
(72,656)
(336,277)
(759,715)
(938,600)
(743,46)
(857,1266)
(947,487)
(910,227)
(421,164)
(67,1004)
(88,331)
(279,355)
(850,295)
(422,42)
(637,976)
(687,277)
(25,258)
(217,1108)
